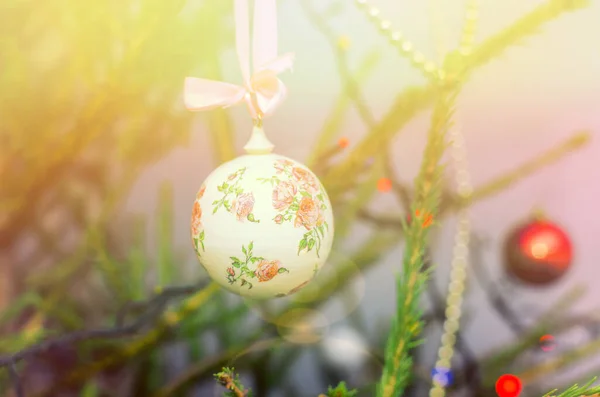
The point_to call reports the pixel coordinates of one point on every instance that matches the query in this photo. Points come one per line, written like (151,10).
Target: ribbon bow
(262,91)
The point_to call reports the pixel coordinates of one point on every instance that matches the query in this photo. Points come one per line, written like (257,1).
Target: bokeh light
(508,386)
(321,288)
(384,185)
(442,376)
(302,326)
(343,142)
(346,348)
(547,343)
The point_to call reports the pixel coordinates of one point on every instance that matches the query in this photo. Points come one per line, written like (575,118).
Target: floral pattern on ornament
(196,225)
(264,270)
(298,198)
(234,199)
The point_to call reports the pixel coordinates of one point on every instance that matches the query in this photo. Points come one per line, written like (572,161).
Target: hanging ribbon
(262,90)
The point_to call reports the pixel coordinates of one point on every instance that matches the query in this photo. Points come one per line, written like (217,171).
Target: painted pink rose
(196,218)
(283,195)
(200,193)
(282,164)
(231,177)
(278,219)
(231,271)
(305,179)
(266,270)
(243,205)
(307,214)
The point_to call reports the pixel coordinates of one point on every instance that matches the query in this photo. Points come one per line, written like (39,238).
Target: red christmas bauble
(538,252)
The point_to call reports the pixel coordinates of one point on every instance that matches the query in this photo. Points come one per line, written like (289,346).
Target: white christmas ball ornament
(262,224)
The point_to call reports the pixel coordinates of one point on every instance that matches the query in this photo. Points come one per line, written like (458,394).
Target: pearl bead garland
(460,258)
(405,47)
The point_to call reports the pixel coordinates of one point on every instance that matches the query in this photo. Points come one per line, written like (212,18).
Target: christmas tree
(91,306)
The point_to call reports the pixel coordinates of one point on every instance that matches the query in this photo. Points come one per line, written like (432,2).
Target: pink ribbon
(262,90)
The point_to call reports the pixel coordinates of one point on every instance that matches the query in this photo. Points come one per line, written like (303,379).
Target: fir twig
(231,381)
(193,372)
(339,391)
(576,391)
(407,324)
(496,185)
(527,25)
(168,320)
(406,106)
(551,322)
(552,365)
(416,99)
(577,141)
(154,308)
(593,374)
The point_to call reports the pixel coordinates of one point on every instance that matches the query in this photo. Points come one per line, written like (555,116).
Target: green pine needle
(576,391)
(231,381)
(407,325)
(340,391)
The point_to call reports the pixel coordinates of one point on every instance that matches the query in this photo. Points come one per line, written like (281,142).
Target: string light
(405,47)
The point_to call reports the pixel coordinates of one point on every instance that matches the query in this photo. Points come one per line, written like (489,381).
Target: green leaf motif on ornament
(234,199)
(196,223)
(298,197)
(199,242)
(263,269)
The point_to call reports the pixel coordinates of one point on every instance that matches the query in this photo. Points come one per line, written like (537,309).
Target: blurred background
(100,163)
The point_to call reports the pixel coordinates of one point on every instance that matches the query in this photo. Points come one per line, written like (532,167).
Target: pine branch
(525,26)
(155,304)
(592,374)
(180,383)
(577,391)
(407,324)
(549,366)
(549,322)
(497,185)
(407,105)
(168,320)
(339,391)
(415,99)
(231,381)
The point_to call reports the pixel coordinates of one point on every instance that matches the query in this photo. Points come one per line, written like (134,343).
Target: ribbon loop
(262,91)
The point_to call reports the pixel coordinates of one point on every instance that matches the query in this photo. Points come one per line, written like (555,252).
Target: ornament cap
(258,142)
(538,214)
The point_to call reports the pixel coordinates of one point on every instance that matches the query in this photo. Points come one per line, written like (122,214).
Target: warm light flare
(539,250)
